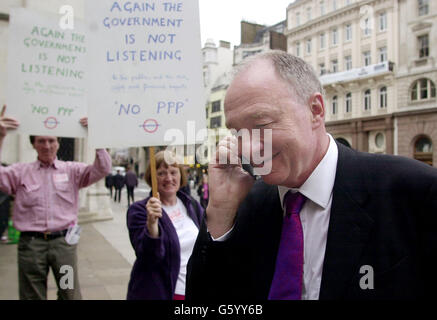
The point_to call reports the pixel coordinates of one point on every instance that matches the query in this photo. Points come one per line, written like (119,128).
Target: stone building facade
(377,65)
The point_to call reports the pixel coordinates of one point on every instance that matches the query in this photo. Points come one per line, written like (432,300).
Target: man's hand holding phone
(229,184)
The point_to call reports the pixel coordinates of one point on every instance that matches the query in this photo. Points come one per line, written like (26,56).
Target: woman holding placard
(163,231)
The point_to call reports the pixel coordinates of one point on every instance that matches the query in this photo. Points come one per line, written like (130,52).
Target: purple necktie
(287,280)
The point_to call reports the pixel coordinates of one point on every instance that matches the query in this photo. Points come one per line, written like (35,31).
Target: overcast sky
(220,19)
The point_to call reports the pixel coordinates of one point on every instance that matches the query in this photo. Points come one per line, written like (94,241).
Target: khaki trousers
(35,256)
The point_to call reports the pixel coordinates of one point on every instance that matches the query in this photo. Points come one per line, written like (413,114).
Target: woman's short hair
(160,159)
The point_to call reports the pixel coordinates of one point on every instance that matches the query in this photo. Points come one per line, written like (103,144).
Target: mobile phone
(248,168)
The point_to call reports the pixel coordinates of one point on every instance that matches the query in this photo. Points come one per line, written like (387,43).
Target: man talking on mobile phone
(324,217)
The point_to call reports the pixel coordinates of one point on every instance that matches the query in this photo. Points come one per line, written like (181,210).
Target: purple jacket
(156,269)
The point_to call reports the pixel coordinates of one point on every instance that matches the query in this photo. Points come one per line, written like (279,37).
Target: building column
(389,145)
(360,136)
(354,134)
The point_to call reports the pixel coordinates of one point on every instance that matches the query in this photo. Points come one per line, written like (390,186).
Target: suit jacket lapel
(349,226)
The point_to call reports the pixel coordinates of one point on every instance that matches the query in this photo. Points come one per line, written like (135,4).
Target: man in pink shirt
(46,205)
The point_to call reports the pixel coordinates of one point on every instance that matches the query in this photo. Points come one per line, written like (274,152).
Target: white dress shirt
(315,219)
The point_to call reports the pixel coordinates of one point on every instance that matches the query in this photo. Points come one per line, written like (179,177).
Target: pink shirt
(46,197)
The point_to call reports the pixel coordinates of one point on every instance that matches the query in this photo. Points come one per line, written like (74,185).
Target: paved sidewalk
(103,271)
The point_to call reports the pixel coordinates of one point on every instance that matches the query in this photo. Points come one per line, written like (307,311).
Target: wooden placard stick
(153,172)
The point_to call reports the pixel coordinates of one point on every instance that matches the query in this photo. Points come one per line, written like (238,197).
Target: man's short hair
(32,139)
(160,159)
(295,71)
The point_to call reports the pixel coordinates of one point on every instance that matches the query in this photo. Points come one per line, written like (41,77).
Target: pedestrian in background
(45,210)
(109,182)
(203,191)
(119,183)
(186,187)
(162,232)
(131,182)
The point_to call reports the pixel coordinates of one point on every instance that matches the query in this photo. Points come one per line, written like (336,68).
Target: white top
(315,219)
(315,216)
(187,233)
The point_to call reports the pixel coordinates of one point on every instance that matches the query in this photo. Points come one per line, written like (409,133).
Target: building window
(334,37)
(379,140)
(207,109)
(308,46)
(298,49)
(423,150)
(322,69)
(367,28)
(348,102)
(334,5)
(334,65)
(216,122)
(367,100)
(348,2)
(348,62)
(322,41)
(322,8)
(423,46)
(382,54)
(334,105)
(367,58)
(423,89)
(348,32)
(297,19)
(216,106)
(383,21)
(383,97)
(308,13)
(423,7)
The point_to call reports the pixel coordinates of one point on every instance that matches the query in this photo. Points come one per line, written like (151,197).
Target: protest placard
(145,71)
(46,74)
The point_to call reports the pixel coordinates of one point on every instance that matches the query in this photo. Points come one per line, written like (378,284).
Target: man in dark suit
(109,182)
(365,227)
(119,183)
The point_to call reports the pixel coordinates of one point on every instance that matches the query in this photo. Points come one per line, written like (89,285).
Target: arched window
(423,89)
(348,102)
(423,150)
(334,105)
(367,100)
(383,97)
(379,140)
